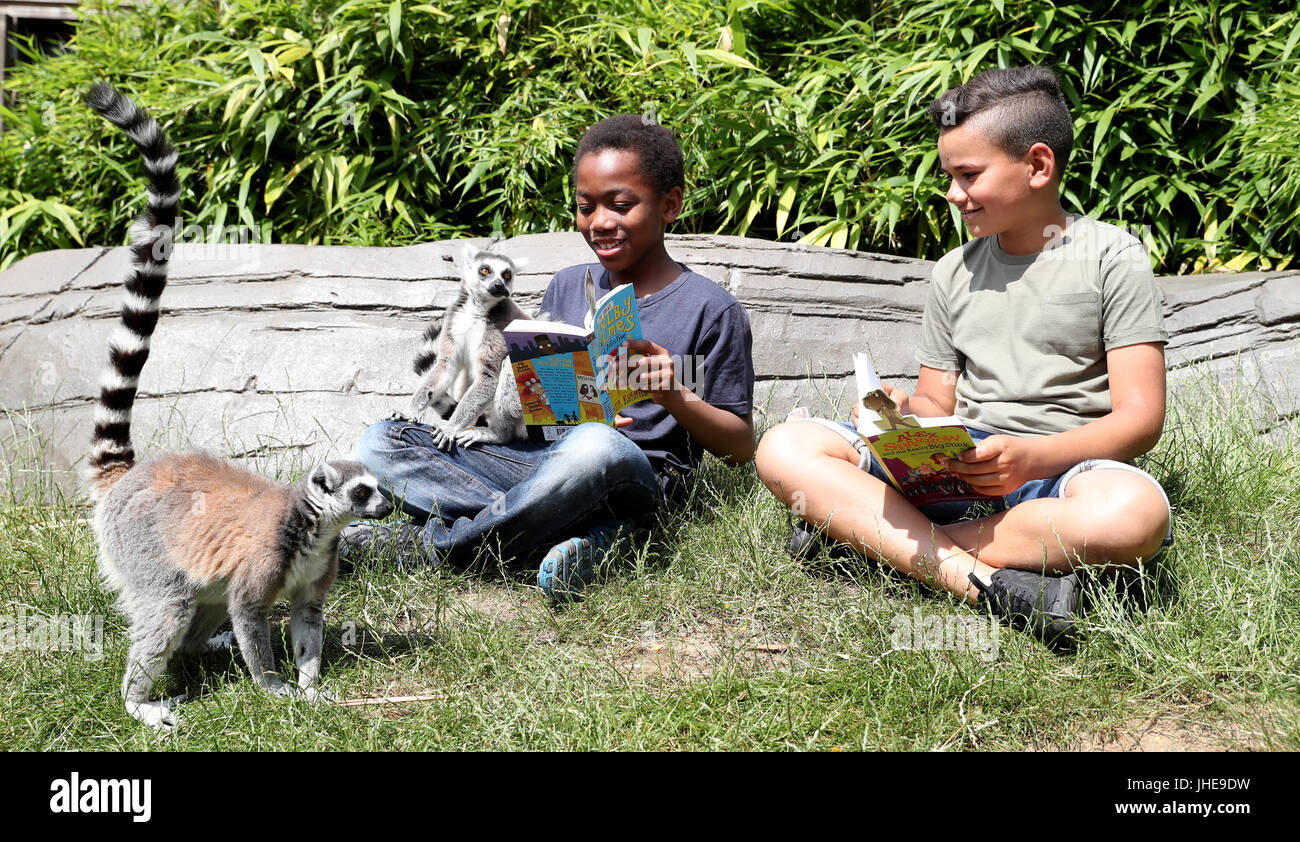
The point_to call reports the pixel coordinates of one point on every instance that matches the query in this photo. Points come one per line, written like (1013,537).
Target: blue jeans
(525,494)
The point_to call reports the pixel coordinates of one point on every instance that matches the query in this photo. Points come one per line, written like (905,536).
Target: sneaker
(364,543)
(806,541)
(1047,606)
(570,566)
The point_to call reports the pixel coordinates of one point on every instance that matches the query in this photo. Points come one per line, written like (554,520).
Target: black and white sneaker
(807,542)
(362,544)
(1046,606)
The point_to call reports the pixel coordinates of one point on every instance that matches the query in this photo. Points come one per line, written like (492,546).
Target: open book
(912,450)
(567,375)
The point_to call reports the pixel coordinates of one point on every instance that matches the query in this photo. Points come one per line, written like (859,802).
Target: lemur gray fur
(503,412)
(463,358)
(189,540)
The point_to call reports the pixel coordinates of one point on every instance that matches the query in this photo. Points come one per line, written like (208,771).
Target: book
(568,375)
(911,449)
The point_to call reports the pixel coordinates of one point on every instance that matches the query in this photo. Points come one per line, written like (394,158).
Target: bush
(386,123)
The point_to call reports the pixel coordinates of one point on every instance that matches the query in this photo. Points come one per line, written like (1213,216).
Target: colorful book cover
(912,450)
(568,375)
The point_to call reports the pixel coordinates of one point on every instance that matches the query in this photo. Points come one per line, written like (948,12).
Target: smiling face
(988,186)
(620,213)
(997,194)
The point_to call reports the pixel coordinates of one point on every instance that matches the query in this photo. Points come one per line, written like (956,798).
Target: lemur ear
(469,253)
(326,477)
(521,263)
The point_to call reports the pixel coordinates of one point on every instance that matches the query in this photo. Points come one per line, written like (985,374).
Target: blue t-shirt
(699,323)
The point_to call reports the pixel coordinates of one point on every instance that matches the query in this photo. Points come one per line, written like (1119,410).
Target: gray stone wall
(278,351)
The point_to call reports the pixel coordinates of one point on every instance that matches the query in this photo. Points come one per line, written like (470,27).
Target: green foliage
(380,122)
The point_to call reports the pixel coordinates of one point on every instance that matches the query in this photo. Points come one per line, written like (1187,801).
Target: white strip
(152,269)
(142,232)
(127,341)
(139,303)
(106,447)
(120,110)
(163,199)
(113,381)
(104,415)
(159,166)
(144,133)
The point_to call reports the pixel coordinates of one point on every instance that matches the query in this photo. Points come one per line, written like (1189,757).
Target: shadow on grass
(199,675)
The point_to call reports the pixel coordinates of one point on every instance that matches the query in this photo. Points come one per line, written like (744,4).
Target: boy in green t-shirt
(1044,334)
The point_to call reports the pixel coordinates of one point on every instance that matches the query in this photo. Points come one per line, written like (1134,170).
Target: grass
(711,638)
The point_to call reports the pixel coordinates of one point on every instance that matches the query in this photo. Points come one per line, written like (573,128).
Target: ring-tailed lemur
(188,540)
(467,352)
(504,412)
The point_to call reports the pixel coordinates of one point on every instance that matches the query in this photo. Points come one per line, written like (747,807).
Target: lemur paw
(316,695)
(397,415)
(222,642)
(470,436)
(799,413)
(160,714)
(275,686)
(443,439)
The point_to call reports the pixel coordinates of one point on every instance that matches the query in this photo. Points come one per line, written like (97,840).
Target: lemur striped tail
(428,354)
(112,454)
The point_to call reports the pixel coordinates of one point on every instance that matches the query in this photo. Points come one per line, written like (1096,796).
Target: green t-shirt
(1029,334)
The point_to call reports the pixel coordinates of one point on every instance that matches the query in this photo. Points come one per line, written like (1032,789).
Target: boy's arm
(935,395)
(722,432)
(1001,464)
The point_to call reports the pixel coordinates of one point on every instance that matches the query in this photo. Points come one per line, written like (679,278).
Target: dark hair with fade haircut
(1027,102)
(661,156)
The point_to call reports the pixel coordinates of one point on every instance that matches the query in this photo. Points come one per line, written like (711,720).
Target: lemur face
(347,489)
(487,277)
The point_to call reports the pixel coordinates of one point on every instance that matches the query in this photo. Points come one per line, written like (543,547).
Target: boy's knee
(600,447)
(374,445)
(778,445)
(1129,515)
(790,446)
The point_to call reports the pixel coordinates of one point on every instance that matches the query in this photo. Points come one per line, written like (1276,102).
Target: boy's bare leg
(811,469)
(1106,516)
(1112,516)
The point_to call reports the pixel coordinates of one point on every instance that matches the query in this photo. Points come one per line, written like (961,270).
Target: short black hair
(1027,103)
(656,146)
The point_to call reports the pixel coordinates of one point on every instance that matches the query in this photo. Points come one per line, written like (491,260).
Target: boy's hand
(650,367)
(998,465)
(900,398)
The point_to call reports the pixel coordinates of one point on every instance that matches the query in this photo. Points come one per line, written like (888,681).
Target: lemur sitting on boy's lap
(463,359)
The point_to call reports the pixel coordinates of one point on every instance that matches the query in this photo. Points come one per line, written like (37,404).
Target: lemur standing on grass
(189,540)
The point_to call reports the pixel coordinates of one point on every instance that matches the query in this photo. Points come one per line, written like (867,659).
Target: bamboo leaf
(784,205)
(257,62)
(395,20)
(723,57)
(268,130)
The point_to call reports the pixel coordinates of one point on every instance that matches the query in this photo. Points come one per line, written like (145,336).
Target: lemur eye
(506,274)
(361,494)
(483,270)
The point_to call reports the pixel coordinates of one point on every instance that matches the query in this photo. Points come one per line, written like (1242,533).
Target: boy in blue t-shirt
(581,494)
(1044,335)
